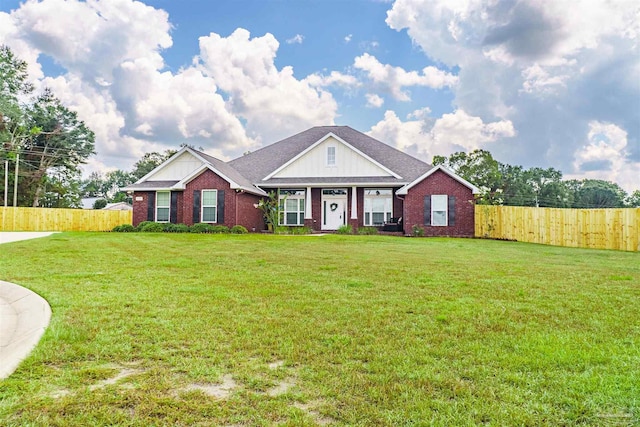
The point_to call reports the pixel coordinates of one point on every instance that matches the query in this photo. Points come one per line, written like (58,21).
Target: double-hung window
(209,206)
(439,210)
(378,206)
(291,207)
(163,206)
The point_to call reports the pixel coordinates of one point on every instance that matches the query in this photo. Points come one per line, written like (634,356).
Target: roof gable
(348,162)
(261,163)
(403,191)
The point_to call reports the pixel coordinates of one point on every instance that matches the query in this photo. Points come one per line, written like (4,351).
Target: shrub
(99,204)
(140,226)
(201,227)
(124,228)
(153,227)
(417,231)
(367,230)
(238,229)
(345,229)
(176,228)
(219,229)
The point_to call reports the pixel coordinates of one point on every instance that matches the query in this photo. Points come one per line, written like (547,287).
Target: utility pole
(15,183)
(6,182)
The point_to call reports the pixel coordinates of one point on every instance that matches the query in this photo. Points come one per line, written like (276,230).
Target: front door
(334,209)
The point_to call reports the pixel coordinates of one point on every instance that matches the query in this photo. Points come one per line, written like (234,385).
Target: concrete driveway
(24,315)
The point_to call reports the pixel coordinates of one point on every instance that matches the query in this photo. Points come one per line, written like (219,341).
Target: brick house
(325,177)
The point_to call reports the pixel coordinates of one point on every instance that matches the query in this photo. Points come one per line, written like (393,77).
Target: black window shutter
(427,209)
(151,206)
(173,210)
(220,207)
(452,211)
(196,206)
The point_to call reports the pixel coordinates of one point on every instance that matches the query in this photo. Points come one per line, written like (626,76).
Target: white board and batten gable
(331,156)
(182,165)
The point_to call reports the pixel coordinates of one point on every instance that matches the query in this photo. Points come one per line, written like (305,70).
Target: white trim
(324,198)
(334,184)
(320,141)
(403,191)
(307,204)
(181,184)
(155,207)
(165,164)
(354,202)
(335,154)
(445,210)
(202,206)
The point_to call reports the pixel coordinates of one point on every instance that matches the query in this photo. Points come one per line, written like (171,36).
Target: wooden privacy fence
(584,228)
(46,219)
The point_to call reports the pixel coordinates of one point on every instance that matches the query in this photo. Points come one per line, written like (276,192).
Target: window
(439,210)
(378,206)
(163,204)
(291,207)
(331,156)
(209,206)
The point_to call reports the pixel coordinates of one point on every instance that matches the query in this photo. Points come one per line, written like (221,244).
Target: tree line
(504,184)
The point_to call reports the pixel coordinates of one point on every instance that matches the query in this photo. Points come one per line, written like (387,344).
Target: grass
(183,329)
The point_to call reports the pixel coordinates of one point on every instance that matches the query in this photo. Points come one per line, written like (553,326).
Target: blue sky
(537,83)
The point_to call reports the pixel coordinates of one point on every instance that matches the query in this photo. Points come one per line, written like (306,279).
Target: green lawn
(183,329)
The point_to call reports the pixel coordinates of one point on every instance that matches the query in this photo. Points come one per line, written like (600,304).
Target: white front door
(334,212)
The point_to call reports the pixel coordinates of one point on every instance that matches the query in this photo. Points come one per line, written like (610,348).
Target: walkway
(24,316)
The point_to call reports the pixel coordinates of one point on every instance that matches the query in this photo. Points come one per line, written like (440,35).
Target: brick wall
(140,204)
(247,214)
(208,180)
(440,183)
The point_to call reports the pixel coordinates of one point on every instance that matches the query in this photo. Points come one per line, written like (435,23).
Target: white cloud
(373,100)
(453,132)
(114,76)
(334,78)
(297,39)
(550,68)
(273,102)
(394,79)
(348,38)
(605,156)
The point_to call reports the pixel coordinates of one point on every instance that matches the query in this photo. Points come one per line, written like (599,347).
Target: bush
(176,228)
(153,227)
(417,231)
(99,204)
(238,229)
(345,229)
(124,228)
(140,226)
(367,230)
(219,229)
(201,228)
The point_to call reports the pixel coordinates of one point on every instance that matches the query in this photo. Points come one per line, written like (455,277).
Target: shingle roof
(257,165)
(151,185)
(230,172)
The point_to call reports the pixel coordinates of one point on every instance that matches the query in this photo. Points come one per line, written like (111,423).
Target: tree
(478,167)
(48,138)
(64,143)
(633,200)
(99,204)
(596,193)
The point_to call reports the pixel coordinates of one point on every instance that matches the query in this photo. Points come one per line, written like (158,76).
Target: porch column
(307,205)
(354,203)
